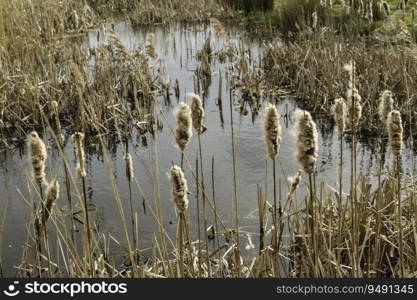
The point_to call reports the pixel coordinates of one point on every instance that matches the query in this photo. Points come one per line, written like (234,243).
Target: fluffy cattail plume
(354,107)
(38,157)
(78,139)
(272,131)
(179,188)
(197,113)
(183,133)
(306,141)
(129,167)
(150,45)
(315,19)
(395,132)
(386,105)
(294,182)
(52,194)
(339,114)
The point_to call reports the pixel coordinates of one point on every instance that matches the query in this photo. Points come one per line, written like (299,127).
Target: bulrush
(339,114)
(179,188)
(354,107)
(197,113)
(395,132)
(306,141)
(294,182)
(129,167)
(272,131)
(52,195)
(150,45)
(78,139)
(183,133)
(38,157)
(386,105)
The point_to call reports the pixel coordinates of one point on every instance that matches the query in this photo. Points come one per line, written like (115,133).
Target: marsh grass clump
(38,156)
(395,132)
(272,131)
(306,141)
(183,132)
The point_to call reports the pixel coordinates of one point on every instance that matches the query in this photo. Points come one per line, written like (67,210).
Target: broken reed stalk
(272,132)
(78,139)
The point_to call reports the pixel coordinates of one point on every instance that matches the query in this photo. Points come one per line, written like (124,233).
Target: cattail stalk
(306,154)
(78,139)
(52,195)
(61,145)
(129,177)
(38,156)
(197,114)
(395,139)
(272,131)
(339,115)
(179,197)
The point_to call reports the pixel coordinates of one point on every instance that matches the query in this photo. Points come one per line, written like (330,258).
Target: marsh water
(176,47)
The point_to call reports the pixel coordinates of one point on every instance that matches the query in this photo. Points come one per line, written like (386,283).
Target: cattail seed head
(197,113)
(52,195)
(150,45)
(179,188)
(395,132)
(59,135)
(306,141)
(339,114)
(386,105)
(78,139)
(272,131)
(129,167)
(294,182)
(183,133)
(354,108)
(38,156)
